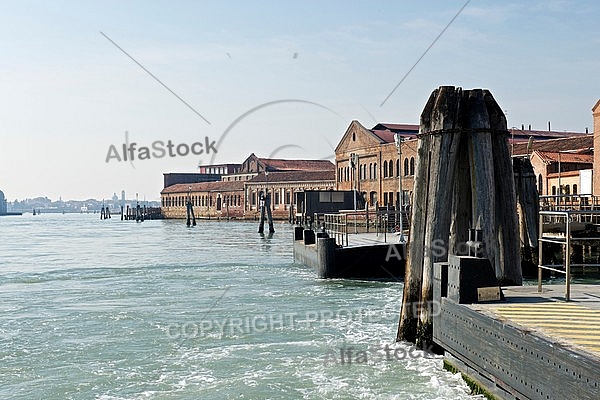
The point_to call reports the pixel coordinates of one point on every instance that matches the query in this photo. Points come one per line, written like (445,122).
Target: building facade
(283,186)
(562,173)
(596,174)
(237,194)
(377,168)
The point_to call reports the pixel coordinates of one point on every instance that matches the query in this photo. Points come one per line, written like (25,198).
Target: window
(575,189)
(391,172)
(375,171)
(567,189)
(370,170)
(353,137)
(385,199)
(277,197)
(412,165)
(406,167)
(373,198)
(385,172)
(337,197)
(398,167)
(540,185)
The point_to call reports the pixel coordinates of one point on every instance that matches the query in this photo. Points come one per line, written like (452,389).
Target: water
(94,309)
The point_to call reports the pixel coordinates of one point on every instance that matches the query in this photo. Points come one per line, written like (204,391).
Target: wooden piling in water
(527,209)
(463,177)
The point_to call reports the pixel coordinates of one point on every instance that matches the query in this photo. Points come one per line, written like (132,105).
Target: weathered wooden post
(528,210)
(463,176)
(269,215)
(261,202)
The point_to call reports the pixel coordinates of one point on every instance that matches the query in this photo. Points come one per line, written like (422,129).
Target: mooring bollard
(309,236)
(298,231)
(326,257)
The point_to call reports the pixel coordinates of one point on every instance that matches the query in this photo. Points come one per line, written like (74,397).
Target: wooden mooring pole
(463,177)
(265,210)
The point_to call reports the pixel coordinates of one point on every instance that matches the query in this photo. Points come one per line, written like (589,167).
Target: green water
(94,309)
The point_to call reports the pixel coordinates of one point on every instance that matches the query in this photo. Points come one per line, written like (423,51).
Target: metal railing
(341,225)
(565,240)
(336,226)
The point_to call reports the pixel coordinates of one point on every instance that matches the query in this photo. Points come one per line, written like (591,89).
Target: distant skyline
(69,93)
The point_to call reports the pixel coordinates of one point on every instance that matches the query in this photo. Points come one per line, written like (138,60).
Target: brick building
(378,167)
(283,186)
(566,165)
(236,194)
(596,175)
(566,173)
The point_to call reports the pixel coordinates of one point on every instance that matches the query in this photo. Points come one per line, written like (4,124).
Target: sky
(281,79)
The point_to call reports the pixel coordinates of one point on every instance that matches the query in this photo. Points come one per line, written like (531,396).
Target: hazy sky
(68,93)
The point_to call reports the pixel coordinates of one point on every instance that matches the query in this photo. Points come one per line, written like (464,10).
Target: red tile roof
(549,157)
(581,144)
(397,127)
(386,132)
(295,176)
(274,164)
(205,187)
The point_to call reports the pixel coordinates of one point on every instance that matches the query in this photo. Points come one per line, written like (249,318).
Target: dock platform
(529,346)
(351,256)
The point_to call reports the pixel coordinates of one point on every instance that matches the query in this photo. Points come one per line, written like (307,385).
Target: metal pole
(398,141)
(540,252)
(568,259)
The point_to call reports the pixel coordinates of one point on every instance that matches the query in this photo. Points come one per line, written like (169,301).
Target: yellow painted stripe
(564,316)
(555,325)
(552,312)
(576,336)
(585,342)
(570,322)
(534,318)
(575,330)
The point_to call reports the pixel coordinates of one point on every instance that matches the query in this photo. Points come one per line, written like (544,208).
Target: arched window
(412,165)
(391,171)
(575,189)
(385,172)
(540,185)
(398,167)
(553,190)
(567,189)
(406,167)
(375,171)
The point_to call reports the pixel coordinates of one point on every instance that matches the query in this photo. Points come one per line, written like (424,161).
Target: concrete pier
(529,346)
(366,256)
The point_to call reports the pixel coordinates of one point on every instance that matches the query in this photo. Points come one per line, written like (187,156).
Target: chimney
(549,126)
(522,127)
(529,126)
(586,130)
